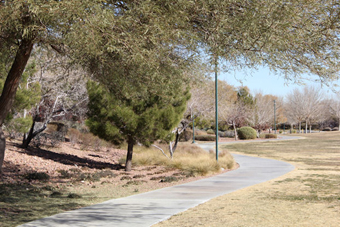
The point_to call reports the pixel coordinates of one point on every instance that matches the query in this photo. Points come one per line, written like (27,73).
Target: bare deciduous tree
(305,105)
(63,93)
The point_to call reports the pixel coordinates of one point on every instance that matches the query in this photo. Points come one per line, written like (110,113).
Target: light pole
(275,116)
(216,108)
(193,129)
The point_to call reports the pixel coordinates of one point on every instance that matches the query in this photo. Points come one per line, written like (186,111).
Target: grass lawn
(307,196)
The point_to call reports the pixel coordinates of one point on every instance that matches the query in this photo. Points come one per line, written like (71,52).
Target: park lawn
(307,196)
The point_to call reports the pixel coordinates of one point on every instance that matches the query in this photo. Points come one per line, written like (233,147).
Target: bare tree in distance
(304,105)
(313,106)
(334,107)
(263,112)
(294,103)
(63,93)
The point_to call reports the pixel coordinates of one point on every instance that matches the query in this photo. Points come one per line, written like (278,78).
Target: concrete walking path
(152,207)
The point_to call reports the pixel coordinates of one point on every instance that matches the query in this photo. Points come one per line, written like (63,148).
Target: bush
(229,134)
(200,132)
(97,143)
(246,133)
(37,176)
(87,141)
(56,138)
(335,129)
(189,158)
(200,123)
(186,135)
(59,127)
(210,131)
(222,126)
(205,138)
(169,179)
(73,135)
(327,129)
(74,196)
(270,136)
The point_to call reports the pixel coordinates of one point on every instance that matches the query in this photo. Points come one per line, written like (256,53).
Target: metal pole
(275,115)
(216,108)
(193,130)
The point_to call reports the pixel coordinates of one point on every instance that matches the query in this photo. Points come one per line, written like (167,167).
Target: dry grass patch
(307,196)
(189,158)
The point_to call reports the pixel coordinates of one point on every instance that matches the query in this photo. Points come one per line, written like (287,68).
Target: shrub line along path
(152,207)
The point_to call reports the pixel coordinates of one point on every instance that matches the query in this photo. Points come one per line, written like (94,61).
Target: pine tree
(142,120)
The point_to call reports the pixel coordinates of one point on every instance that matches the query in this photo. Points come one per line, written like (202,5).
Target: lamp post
(275,116)
(193,129)
(216,108)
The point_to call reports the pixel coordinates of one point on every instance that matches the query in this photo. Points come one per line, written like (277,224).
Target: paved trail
(152,207)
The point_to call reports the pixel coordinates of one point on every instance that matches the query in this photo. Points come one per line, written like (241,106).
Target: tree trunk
(235,130)
(310,128)
(13,78)
(27,140)
(291,128)
(306,128)
(128,163)
(2,149)
(300,127)
(11,85)
(176,143)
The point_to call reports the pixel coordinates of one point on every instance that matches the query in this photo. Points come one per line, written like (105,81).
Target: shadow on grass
(21,203)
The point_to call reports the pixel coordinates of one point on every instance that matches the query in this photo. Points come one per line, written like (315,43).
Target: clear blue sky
(267,82)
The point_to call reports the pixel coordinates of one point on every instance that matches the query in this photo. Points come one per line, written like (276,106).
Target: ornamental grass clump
(246,133)
(189,158)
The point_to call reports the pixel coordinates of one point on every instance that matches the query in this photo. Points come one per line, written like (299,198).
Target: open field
(307,196)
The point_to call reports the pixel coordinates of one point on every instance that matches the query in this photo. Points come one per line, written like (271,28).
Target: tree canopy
(109,38)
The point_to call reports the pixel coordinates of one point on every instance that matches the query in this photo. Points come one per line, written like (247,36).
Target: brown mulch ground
(18,162)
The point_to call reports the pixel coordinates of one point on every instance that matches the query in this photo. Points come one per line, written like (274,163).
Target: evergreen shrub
(246,133)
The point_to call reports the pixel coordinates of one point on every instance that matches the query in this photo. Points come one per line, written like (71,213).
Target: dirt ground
(71,159)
